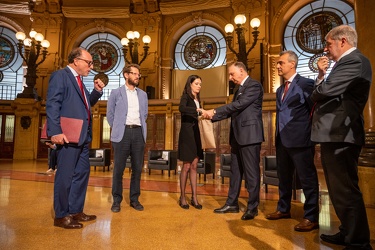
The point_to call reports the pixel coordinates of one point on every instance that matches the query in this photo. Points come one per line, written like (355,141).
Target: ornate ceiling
(107,8)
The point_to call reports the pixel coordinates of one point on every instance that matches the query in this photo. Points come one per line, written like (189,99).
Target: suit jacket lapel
(75,85)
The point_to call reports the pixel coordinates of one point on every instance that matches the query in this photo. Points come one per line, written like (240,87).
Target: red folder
(71,128)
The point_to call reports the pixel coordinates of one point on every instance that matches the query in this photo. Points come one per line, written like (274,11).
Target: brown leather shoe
(83,217)
(277,215)
(306,226)
(67,222)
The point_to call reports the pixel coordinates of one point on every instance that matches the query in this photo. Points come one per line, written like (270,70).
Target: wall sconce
(25,122)
(130,42)
(239,20)
(30,50)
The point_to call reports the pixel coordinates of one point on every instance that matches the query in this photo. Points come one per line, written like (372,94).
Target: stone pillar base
(367,185)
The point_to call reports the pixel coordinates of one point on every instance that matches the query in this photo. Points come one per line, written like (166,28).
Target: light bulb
(130,35)
(229,28)
(136,34)
(124,41)
(20,36)
(255,23)
(146,39)
(27,42)
(39,37)
(45,44)
(32,33)
(240,19)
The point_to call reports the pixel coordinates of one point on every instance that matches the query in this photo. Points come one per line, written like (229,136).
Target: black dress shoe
(83,217)
(197,205)
(137,206)
(183,206)
(227,209)
(67,222)
(337,239)
(249,214)
(115,207)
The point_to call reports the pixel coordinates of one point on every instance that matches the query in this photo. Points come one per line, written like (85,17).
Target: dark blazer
(340,100)
(189,142)
(246,113)
(293,123)
(65,99)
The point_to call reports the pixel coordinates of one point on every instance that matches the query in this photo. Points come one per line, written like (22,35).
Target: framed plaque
(104,56)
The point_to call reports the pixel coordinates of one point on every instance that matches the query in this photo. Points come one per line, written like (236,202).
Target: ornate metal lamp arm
(145,53)
(255,35)
(135,52)
(131,45)
(125,51)
(229,39)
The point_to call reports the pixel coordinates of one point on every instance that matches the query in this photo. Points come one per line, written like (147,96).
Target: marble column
(26,129)
(364,23)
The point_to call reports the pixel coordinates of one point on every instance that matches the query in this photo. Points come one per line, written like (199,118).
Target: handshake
(206,114)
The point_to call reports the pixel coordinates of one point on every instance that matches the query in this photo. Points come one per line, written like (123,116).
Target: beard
(133,83)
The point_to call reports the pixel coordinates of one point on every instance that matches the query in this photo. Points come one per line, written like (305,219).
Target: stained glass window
(199,48)
(306,30)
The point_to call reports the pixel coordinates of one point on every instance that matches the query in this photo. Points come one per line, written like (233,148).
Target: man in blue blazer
(294,149)
(68,97)
(127,111)
(338,126)
(246,137)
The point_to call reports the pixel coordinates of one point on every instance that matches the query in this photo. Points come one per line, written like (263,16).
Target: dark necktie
(80,84)
(237,92)
(286,87)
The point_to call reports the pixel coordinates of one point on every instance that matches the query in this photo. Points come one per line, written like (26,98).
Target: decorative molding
(178,7)
(197,17)
(11,24)
(94,12)
(146,20)
(46,20)
(18,8)
(273,74)
(100,24)
(245,7)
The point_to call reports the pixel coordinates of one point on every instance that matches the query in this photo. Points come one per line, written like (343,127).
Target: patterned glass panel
(106,134)
(200,47)
(306,30)
(9,128)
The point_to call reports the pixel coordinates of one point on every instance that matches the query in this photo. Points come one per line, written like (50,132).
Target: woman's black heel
(184,206)
(197,206)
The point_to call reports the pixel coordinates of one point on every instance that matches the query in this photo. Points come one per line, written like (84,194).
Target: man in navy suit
(66,98)
(127,111)
(246,137)
(338,126)
(294,149)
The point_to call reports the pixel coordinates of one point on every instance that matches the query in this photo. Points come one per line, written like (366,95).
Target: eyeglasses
(89,63)
(139,75)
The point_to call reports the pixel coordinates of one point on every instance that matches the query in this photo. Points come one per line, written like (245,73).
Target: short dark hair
(127,68)
(187,89)
(292,56)
(75,53)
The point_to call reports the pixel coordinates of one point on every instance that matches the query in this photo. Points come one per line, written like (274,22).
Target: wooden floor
(26,215)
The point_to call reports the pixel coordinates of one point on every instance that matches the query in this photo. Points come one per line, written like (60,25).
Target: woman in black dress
(189,142)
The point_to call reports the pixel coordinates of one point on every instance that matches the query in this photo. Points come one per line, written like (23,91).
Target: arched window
(200,47)
(11,70)
(306,30)
(106,52)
